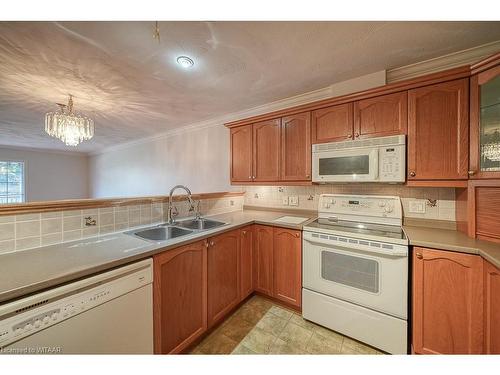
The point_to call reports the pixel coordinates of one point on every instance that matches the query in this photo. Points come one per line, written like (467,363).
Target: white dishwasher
(109,313)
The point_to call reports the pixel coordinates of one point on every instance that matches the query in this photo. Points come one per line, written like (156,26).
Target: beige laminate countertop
(30,271)
(452,240)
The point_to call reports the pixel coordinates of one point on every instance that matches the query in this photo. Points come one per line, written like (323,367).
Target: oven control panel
(339,205)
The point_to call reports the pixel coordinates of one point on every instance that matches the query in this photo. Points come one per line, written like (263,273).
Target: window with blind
(12,182)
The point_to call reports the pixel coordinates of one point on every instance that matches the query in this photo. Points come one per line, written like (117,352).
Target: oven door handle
(365,249)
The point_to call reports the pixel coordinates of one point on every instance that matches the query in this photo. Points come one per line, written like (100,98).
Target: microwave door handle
(394,253)
(376,163)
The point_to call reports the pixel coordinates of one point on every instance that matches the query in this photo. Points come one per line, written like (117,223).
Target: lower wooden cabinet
(246,262)
(447,302)
(180,297)
(223,273)
(198,285)
(287,266)
(491,309)
(263,259)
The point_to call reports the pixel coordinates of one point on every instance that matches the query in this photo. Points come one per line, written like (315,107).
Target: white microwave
(380,159)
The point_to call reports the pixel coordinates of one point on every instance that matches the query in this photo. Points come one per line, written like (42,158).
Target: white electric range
(355,269)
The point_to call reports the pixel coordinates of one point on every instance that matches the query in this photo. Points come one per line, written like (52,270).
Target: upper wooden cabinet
(246,262)
(438,140)
(447,302)
(266,150)
(180,297)
(287,266)
(223,273)
(332,124)
(296,147)
(485,122)
(263,259)
(241,153)
(381,116)
(491,309)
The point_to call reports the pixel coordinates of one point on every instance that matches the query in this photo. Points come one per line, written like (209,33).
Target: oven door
(375,279)
(359,164)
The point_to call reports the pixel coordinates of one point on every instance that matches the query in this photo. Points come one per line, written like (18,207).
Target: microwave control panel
(392,161)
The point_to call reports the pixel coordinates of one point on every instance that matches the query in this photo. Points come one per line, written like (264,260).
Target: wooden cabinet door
(438,140)
(223,273)
(180,297)
(263,259)
(447,302)
(296,147)
(241,153)
(491,309)
(332,124)
(381,116)
(246,261)
(266,150)
(485,122)
(287,266)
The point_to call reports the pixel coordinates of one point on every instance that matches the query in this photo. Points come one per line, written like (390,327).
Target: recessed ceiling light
(185,62)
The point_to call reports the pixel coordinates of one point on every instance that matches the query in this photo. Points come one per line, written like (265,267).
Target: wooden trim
(437,183)
(273,183)
(80,204)
(447,75)
(485,64)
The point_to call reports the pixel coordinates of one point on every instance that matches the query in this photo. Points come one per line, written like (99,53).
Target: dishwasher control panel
(28,320)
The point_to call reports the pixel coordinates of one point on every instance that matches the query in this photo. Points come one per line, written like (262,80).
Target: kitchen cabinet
(180,297)
(438,136)
(266,150)
(296,147)
(485,121)
(381,116)
(241,153)
(491,309)
(332,124)
(263,259)
(287,266)
(223,274)
(447,302)
(246,261)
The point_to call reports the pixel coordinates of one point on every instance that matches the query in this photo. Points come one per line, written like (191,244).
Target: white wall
(51,175)
(198,159)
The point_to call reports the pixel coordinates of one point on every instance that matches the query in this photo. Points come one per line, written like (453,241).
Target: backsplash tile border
(129,216)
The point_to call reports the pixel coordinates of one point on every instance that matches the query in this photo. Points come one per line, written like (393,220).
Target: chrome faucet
(170,214)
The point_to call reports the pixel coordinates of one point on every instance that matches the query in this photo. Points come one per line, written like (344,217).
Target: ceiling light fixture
(68,126)
(185,62)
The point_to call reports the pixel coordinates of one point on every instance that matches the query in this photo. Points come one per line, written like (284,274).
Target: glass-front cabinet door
(485,123)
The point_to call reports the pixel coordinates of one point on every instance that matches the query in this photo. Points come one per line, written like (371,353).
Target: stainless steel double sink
(165,232)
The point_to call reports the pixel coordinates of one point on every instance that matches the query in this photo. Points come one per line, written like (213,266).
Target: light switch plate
(417,206)
(293,200)
(285,201)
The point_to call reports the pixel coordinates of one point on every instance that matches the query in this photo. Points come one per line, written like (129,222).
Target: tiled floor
(262,327)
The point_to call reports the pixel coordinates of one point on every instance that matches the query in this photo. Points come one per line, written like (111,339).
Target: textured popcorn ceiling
(132,87)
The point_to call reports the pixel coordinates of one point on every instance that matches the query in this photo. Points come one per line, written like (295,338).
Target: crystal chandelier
(68,126)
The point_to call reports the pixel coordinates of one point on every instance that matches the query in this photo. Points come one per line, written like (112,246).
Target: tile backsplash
(21,232)
(439,202)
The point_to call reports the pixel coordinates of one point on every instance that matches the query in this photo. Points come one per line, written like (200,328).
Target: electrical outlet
(285,201)
(293,200)
(417,206)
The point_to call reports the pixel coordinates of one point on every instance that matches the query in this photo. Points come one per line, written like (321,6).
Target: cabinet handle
(307,175)
(297,235)
(212,243)
(206,244)
(471,173)
(349,136)
(412,174)
(249,177)
(244,232)
(356,135)
(419,256)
